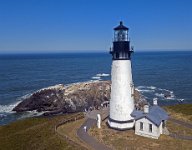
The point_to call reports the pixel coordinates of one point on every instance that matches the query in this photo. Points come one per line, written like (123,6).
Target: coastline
(18,81)
(77,86)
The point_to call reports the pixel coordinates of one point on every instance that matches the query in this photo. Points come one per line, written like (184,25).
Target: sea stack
(122,88)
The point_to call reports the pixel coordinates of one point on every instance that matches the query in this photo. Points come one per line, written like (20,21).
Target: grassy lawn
(34,134)
(72,127)
(182,112)
(179,129)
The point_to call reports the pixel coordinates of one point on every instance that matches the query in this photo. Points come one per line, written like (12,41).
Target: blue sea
(155,74)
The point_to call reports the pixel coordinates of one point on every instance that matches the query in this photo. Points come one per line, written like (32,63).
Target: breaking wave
(143,90)
(8,108)
(96,78)
(33,113)
(102,75)
(6,111)
(160,93)
(99,76)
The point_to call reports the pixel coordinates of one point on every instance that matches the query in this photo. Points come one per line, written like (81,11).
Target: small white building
(151,122)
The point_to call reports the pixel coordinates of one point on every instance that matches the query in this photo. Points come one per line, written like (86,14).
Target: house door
(163,123)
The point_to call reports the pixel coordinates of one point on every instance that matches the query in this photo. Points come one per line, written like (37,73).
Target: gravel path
(90,122)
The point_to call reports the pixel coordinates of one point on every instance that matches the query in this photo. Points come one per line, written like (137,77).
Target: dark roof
(121,27)
(156,114)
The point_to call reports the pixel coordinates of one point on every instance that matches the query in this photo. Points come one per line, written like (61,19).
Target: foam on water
(102,75)
(152,87)
(33,113)
(143,90)
(96,78)
(162,94)
(181,100)
(6,111)
(24,97)
(8,108)
(2,116)
(159,95)
(141,87)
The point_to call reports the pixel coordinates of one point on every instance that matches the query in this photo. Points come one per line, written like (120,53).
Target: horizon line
(89,51)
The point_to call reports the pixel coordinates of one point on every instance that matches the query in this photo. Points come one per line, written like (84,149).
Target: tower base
(121,125)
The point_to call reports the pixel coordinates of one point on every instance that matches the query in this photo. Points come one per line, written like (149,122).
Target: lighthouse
(122,88)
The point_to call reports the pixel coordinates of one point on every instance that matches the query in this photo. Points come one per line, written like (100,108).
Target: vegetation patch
(35,134)
(70,130)
(128,140)
(181,111)
(178,129)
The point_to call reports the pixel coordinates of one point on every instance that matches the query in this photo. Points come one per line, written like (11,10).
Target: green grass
(185,109)
(34,134)
(178,129)
(73,127)
(181,111)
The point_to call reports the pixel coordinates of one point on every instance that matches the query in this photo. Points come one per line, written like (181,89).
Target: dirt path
(90,122)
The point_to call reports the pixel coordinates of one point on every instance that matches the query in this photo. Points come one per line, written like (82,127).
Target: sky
(31,26)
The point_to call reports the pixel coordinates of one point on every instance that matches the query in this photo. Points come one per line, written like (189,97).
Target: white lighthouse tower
(122,90)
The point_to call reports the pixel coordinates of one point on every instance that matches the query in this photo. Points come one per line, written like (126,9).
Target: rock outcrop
(72,98)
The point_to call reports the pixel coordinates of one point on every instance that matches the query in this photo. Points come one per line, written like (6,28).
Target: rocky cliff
(71,98)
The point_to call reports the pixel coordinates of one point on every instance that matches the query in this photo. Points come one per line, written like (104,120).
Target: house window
(150,128)
(141,126)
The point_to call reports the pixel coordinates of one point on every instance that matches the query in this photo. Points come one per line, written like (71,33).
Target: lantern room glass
(121,35)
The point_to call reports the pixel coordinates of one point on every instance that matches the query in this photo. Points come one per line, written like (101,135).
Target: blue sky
(87,25)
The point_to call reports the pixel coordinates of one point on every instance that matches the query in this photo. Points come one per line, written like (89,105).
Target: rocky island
(70,98)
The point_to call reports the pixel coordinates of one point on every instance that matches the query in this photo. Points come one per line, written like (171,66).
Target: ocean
(165,75)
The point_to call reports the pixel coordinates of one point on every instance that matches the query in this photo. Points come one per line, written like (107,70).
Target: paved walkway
(90,122)
(93,114)
(185,124)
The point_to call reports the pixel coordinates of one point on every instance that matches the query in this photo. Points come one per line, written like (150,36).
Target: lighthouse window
(150,128)
(120,55)
(141,126)
(121,35)
(124,55)
(117,55)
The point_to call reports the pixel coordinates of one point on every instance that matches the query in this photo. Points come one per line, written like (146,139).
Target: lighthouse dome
(121,26)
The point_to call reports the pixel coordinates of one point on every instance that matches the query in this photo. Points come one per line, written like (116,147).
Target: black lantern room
(121,45)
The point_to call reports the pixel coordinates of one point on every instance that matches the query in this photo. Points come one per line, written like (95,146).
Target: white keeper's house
(151,122)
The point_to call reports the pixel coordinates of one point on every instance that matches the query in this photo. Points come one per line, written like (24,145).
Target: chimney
(155,101)
(146,109)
